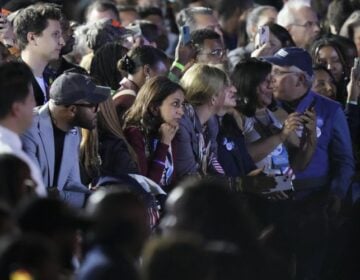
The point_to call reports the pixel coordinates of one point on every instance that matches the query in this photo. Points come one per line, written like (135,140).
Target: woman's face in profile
(265,92)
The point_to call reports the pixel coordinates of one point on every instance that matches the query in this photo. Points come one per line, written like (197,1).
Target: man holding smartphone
(332,165)
(323,185)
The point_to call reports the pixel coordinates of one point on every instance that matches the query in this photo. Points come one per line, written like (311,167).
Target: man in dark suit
(39,37)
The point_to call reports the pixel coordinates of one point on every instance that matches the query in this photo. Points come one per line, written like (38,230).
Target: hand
(353,87)
(167,133)
(292,122)
(265,50)
(257,182)
(185,54)
(309,120)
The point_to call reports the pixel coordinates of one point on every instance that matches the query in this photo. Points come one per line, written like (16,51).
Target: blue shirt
(332,161)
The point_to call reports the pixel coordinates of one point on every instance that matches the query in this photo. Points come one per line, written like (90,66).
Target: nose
(272,79)
(328,87)
(181,111)
(316,28)
(61,41)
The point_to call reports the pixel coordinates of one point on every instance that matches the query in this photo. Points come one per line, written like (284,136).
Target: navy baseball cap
(292,56)
(71,87)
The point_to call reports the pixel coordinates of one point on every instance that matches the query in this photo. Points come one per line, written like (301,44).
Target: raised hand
(292,122)
(353,87)
(167,133)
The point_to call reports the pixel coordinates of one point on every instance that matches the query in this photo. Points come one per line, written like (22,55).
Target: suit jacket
(38,143)
(38,93)
(186,157)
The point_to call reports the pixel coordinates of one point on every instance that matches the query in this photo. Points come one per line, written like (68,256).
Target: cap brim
(275,60)
(100,94)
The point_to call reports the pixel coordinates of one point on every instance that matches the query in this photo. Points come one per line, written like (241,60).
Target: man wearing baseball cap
(331,166)
(54,137)
(324,182)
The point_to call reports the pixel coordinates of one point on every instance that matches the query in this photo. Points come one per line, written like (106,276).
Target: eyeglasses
(308,24)
(216,52)
(95,107)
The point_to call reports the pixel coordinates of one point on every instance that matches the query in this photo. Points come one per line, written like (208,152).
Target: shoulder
(326,102)
(133,134)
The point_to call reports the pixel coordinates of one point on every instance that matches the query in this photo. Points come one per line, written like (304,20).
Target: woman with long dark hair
(150,126)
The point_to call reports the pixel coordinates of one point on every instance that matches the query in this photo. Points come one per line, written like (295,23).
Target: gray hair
(286,15)
(308,79)
(254,16)
(187,16)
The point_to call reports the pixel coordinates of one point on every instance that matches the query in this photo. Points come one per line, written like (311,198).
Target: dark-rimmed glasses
(216,52)
(94,106)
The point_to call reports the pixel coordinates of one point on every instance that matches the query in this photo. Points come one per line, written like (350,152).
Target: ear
(15,109)
(31,38)
(301,80)
(155,110)
(213,100)
(146,70)
(72,110)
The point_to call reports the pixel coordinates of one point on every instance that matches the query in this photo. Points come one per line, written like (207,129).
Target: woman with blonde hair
(195,141)
(150,126)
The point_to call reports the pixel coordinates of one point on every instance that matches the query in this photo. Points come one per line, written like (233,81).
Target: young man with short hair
(39,37)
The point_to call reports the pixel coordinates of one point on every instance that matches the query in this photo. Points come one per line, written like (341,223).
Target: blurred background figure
(117,237)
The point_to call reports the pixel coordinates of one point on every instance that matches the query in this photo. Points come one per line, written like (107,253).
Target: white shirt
(10,143)
(41,82)
(251,135)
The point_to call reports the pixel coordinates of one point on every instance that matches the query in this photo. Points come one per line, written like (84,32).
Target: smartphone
(185,34)
(264,34)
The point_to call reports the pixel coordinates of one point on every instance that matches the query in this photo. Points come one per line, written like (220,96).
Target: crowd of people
(179,139)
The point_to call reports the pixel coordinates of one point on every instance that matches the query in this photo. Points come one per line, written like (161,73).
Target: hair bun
(127,64)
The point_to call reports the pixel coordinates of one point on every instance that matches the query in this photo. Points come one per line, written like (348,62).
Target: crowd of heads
(112,115)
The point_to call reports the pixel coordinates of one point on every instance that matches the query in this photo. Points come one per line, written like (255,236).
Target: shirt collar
(10,137)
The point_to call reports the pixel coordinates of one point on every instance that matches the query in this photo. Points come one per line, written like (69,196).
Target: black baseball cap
(70,87)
